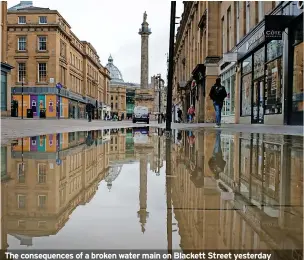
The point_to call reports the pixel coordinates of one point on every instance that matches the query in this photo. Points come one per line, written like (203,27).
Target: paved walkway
(13,128)
(269,129)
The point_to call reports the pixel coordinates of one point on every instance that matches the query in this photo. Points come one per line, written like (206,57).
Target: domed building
(124,96)
(115,73)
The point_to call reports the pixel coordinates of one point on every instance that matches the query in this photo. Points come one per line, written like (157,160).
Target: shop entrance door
(258,102)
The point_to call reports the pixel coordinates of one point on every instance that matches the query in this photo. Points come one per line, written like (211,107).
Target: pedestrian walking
(179,115)
(89,109)
(218,94)
(191,114)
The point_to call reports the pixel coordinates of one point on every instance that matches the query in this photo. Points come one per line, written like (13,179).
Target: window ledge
(42,83)
(21,51)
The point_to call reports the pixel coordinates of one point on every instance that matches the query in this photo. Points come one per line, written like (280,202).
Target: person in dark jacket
(218,94)
(179,115)
(89,109)
(216,162)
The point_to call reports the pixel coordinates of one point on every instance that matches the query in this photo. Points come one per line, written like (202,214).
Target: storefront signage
(230,57)
(275,26)
(255,41)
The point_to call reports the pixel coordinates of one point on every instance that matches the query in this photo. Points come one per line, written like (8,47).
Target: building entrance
(258,101)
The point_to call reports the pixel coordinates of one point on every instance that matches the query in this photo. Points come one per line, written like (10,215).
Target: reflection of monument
(142,213)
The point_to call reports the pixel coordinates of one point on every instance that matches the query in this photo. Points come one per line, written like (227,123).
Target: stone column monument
(144,31)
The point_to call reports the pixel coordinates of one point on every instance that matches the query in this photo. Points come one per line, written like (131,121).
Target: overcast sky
(112,27)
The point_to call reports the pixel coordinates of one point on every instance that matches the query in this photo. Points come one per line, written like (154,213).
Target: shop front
(295,102)
(261,81)
(228,80)
(271,61)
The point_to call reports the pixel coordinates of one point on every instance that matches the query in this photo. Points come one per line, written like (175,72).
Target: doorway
(258,101)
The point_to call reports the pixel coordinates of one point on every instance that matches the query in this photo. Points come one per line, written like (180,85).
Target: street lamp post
(159,100)
(59,87)
(170,69)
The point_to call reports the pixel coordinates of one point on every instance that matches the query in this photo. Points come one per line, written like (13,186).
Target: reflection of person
(191,138)
(179,114)
(216,162)
(89,140)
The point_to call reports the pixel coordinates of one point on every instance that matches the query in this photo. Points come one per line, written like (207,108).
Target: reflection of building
(158,155)
(43,37)
(257,200)
(60,172)
(249,61)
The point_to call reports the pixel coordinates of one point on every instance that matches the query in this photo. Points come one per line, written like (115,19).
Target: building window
(237,16)
(41,201)
(229,31)
(42,43)
(21,20)
(20,173)
(42,20)
(42,72)
(21,200)
(22,43)
(42,224)
(3,91)
(41,173)
(261,10)
(22,224)
(246,87)
(297,86)
(21,71)
(247,16)
(62,49)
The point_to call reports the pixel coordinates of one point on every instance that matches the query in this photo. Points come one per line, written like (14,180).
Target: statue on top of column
(145,16)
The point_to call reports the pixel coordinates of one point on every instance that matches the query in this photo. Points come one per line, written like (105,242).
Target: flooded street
(121,189)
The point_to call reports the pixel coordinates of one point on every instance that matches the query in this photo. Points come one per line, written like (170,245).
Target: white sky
(112,28)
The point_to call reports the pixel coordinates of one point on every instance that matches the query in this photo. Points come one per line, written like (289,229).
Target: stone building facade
(45,51)
(5,66)
(227,39)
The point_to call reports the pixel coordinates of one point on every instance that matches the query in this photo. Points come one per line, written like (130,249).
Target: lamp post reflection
(169,195)
(22,162)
